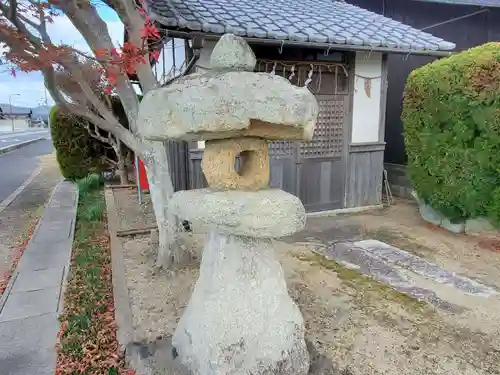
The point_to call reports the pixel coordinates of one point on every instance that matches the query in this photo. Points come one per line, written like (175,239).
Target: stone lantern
(240,319)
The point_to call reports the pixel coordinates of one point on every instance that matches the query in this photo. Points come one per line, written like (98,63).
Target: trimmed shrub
(77,153)
(451,116)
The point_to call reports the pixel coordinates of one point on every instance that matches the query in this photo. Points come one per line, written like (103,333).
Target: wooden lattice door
(314,170)
(320,164)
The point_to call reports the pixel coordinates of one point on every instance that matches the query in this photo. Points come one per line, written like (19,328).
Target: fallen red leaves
(18,251)
(87,337)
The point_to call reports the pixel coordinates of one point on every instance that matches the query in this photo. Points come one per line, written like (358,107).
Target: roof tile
(481,3)
(323,21)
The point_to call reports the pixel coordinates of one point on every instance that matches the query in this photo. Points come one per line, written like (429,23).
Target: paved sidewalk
(27,207)
(31,304)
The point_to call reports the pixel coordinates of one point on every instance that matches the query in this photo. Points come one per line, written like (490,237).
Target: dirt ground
(364,327)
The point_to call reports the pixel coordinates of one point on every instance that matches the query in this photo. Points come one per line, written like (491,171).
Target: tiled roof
(481,3)
(321,21)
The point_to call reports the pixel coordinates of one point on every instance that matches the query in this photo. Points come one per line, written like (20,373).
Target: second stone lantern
(240,319)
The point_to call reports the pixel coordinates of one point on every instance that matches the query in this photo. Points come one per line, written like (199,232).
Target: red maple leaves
(128,57)
(112,63)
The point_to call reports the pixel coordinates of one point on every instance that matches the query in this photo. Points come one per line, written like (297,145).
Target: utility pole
(10,104)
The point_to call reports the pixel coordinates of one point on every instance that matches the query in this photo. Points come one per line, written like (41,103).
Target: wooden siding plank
(365,179)
(325,181)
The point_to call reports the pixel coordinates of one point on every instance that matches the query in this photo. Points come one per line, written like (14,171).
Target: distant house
(340,51)
(6,112)
(467,23)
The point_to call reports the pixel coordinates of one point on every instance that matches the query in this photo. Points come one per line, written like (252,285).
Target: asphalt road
(17,165)
(7,139)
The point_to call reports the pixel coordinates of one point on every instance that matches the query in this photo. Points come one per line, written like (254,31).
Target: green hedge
(78,154)
(451,116)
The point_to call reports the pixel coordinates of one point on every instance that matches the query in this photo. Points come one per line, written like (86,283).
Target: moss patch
(394,238)
(365,286)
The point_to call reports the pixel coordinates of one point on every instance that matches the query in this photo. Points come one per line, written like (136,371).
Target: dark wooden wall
(465,33)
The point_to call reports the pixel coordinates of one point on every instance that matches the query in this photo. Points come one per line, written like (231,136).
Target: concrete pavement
(17,166)
(31,303)
(9,139)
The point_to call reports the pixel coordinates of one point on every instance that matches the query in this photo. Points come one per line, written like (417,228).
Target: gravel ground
(362,326)
(132,215)
(26,208)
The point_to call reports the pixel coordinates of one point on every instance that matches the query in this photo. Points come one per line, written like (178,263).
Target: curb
(67,269)
(140,356)
(123,310)
(7,201)
(6,149)
(344,211)
(15,273)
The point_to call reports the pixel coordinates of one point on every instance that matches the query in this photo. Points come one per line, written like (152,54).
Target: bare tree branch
(96,34)
(13,10)
(110,161)
(27,21)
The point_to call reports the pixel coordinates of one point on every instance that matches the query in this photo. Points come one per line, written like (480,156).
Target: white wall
(366,109)
(19,124)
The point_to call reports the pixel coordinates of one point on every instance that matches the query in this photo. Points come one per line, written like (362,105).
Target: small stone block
(219,158)
(27,304)
(430,215)
(232,53)
(478,225)
(451,227)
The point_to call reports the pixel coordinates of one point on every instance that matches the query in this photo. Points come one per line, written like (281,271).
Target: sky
(30,87)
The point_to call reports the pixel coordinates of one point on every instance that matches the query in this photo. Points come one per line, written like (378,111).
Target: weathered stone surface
(218,105)
(160,358)
(218,164)
(452,227)
(479,225)
(232,53)
(228,105)
(240,319)
(268,213)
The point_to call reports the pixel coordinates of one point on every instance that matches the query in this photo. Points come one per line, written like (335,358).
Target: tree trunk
(170,250)
(122,168)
